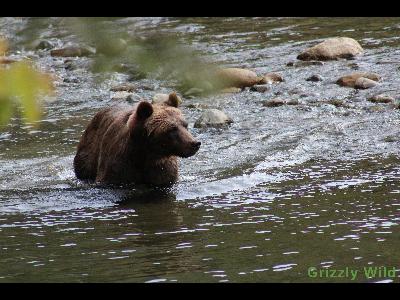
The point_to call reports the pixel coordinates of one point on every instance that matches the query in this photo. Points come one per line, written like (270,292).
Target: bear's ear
(144,110)
(173,100)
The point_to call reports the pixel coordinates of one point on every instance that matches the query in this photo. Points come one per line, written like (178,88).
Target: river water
(277,192)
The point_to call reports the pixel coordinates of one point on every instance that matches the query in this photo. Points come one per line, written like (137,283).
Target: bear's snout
(191,149)
(196,145)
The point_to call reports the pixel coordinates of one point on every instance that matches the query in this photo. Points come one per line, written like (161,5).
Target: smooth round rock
(364,83)
(212,118)
(381,98)
(332,49)
(236,77)
(292,102)
(350,80)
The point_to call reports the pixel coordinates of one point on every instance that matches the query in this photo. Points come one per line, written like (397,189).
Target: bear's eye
(185,124)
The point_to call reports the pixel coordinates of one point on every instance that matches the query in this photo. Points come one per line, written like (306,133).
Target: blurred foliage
(146,54)
(156,53)
(21,84)
(3,46)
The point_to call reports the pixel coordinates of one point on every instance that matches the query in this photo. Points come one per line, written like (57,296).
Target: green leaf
(26,84)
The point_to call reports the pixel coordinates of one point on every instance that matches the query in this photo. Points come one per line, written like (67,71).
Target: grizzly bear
(135,144)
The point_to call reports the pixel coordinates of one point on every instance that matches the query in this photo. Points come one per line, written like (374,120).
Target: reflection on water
(281,190)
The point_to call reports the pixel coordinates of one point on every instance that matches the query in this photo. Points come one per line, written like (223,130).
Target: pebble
(315,78)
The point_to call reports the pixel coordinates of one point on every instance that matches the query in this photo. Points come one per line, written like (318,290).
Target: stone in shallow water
(350,80)
(315,78)
(381,98)
(304,63)
(125,96)
(354,66)
(292,102)
(336,102)
(364,83)
(73,51)
(42,45)
(161,98)
(391,139)
(270,78)
(395,104)
(261,88)
(274,102)
(212,118)
(197,105)
(127,87)
(332,49)
(237,77)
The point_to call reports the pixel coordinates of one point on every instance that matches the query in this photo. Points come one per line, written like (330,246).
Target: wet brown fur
(138,144)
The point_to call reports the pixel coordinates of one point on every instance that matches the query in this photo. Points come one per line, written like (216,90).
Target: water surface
(280,190)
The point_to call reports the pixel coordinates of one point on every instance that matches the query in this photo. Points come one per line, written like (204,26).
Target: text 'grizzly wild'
(135,144)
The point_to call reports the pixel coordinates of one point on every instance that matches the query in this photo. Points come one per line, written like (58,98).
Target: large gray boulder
(332,49)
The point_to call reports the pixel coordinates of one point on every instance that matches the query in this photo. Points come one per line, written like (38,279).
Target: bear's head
(164,128)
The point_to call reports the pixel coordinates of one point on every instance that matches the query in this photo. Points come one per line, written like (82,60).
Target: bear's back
(86,158)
